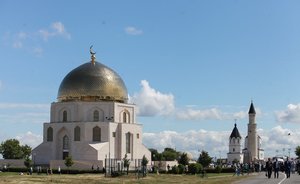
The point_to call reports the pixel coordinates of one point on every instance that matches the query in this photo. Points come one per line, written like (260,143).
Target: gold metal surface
(92,81)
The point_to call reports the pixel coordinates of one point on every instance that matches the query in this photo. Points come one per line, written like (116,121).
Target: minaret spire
(93,57)
(251,109)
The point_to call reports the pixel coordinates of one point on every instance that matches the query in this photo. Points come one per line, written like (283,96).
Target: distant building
(253,151)
(235,144)
(91,121)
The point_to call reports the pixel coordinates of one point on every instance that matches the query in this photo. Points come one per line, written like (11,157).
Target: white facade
(235,143)
(91,131)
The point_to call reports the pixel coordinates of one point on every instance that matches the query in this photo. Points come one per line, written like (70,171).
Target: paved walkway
(261,178)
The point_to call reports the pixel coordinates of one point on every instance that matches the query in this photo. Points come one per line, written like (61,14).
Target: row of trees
(11,149)
(170,154)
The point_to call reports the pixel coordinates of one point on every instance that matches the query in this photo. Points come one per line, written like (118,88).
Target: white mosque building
(252,151)
(91,120)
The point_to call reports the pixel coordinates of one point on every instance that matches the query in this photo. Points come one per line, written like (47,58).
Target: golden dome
(92,81)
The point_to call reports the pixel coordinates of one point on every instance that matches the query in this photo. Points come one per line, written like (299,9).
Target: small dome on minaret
(235,133)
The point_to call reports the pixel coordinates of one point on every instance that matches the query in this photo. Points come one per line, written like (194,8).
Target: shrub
(218,169)
(195,168)
(175,169)
(224,170)
(181,169)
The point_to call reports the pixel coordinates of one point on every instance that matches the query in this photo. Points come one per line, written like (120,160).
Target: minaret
(252,134)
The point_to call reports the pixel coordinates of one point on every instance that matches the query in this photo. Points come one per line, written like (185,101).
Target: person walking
(269,166)
(276,168)
(287,166)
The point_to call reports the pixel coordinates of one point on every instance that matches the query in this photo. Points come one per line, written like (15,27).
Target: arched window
(96,134)
(128,142)
(65,116)
(233,150)
(50,134)
(96,115)
(65,142)
(124,117)
(77,133)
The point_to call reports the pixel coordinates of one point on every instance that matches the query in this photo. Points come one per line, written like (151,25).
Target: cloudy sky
(192,67)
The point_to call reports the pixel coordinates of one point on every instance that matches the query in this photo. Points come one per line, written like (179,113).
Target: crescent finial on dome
(93,57)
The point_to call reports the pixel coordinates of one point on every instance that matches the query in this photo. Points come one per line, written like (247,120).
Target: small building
(235,142)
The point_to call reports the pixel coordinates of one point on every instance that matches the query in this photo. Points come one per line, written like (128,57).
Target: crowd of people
(287,166)
(272,166)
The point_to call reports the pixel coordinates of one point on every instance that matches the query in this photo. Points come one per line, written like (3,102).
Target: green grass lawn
(10,177)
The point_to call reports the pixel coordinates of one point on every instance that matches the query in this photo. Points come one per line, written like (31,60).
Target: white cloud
(24,105)
(208,114)
(133,31)
(38,51)
(17,44)
(24,118)
(19,38)
(22,35)
(14,113)
(56,29)
(274,141)
(151,102)
(279,140)
(291,114)
(191,141)
(30,139)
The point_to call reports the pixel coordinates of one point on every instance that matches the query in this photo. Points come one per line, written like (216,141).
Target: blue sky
(199,64)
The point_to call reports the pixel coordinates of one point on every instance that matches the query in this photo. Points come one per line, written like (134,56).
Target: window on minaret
(128,142)
(65,142)
(124,117)
(233,150)
(233,141)
(96,115)
(65,116)
(97,134)
(50,134)
(77,133)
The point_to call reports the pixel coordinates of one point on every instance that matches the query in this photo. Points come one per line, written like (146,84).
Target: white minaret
(235,152)
(252,135)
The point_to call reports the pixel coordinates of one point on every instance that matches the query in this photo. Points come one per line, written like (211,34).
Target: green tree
(11,149)
(126,162)
(297,151)
(26,150)
(181,169)
(69,161)
(144,164)
(27,162)
(175,169)
(154,154)
(195,168)
(170,154)
(204,159)
(218,169)
(183,159)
